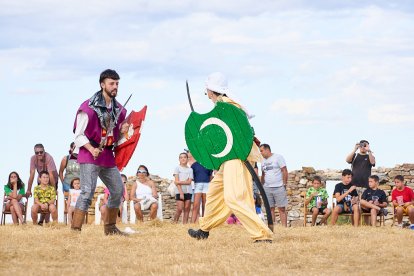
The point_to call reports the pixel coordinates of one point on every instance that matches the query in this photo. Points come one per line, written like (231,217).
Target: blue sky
(318,76)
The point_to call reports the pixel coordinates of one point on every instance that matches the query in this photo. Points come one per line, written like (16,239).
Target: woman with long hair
(14,191)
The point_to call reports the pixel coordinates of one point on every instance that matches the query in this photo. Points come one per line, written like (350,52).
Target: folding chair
(132,215)
(405,219)
(380,216)
(65,211)
(5,213)
(307,213)
(47,212)
(347,215)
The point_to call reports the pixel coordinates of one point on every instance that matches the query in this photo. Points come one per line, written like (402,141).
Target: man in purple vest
(97,127)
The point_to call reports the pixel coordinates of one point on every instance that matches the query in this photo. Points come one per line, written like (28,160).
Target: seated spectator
(347,199)
(232,219)
(317,201)
(125,196)
(258,205)
(74,193)
(103,208)
(374,200)
(144,194)
(402,200)
(14,191)
(44,198)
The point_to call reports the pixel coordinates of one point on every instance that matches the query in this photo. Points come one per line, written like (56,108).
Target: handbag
(171,189)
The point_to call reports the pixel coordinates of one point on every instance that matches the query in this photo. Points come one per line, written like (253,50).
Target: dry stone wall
(298,183)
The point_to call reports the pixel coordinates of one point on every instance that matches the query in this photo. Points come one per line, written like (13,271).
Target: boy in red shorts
(402,200)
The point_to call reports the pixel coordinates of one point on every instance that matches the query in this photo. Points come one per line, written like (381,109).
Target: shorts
(277,197)
(405,209)
(201,187)
(65,186)
(186,197)
(342,209)
(320,210)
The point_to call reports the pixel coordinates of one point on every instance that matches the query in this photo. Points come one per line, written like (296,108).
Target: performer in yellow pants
(231,190)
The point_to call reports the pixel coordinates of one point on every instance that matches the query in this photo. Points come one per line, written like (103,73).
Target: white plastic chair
(125,212)
(97,210)
(132,216)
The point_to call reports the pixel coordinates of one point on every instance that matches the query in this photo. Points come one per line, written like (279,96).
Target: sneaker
(384,211)
(263,241)
(198,234)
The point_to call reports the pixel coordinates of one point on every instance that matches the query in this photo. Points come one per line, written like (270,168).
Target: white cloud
(391,114)
(172,112)
(294,106)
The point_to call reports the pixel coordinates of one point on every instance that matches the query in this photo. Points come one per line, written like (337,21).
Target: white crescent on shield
(227,131)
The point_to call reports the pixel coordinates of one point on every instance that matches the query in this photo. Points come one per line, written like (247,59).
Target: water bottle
(318,201)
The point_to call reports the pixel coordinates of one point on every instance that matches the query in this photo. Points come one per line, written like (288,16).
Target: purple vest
(93,132)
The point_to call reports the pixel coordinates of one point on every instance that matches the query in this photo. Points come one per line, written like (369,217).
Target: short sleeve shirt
(370,194)
(8,190)
(184,173)
(47,165)
(201,174)
(272,167)
(341,189)
(321,192)
(45,195)
(361,169)
(407,194)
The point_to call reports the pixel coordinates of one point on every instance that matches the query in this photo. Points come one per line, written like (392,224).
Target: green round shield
(220,135)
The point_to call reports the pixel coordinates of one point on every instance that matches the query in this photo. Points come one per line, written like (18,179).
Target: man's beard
(109,93)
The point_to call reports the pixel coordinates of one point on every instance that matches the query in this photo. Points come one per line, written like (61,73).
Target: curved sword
(252,172)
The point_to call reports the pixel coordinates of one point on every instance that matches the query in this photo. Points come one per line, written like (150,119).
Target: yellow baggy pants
(231,191)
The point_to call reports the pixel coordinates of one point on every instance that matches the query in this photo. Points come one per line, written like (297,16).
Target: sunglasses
(39,152)
(141,171)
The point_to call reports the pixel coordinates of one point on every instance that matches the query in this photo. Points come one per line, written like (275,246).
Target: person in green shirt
(317,201)
(44,198)
(14,191)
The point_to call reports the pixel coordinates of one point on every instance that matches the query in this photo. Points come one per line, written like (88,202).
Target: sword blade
(189,97)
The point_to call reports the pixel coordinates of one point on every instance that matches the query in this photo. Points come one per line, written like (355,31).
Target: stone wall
(298,183)
(300,180)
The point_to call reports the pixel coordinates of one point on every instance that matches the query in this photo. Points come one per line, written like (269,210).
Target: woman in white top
(144,194)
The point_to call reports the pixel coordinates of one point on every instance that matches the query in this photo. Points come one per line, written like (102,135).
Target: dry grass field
(166,249)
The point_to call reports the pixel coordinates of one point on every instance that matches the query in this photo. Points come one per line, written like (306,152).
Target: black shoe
(198,234)
(263,241)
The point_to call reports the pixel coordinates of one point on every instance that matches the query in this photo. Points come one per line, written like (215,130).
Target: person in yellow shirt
(44,198)
(231,189)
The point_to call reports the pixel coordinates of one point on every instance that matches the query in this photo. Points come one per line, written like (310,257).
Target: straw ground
(165,249)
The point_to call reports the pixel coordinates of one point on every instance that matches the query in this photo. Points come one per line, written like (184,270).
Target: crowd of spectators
(358,192)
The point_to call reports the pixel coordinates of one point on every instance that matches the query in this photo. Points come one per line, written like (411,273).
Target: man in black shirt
(346,199)
(374,200)
(362,163)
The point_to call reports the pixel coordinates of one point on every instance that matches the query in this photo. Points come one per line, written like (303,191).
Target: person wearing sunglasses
(42,161)
(144,194)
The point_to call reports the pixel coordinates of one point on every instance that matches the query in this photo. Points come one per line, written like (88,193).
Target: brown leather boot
(110,221)
(77,219)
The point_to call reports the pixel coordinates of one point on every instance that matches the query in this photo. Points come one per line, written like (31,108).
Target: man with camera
(361,163)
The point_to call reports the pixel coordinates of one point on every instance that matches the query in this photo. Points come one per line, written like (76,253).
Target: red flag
(126,146)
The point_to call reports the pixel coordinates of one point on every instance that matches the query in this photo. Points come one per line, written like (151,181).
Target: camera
(362,145)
